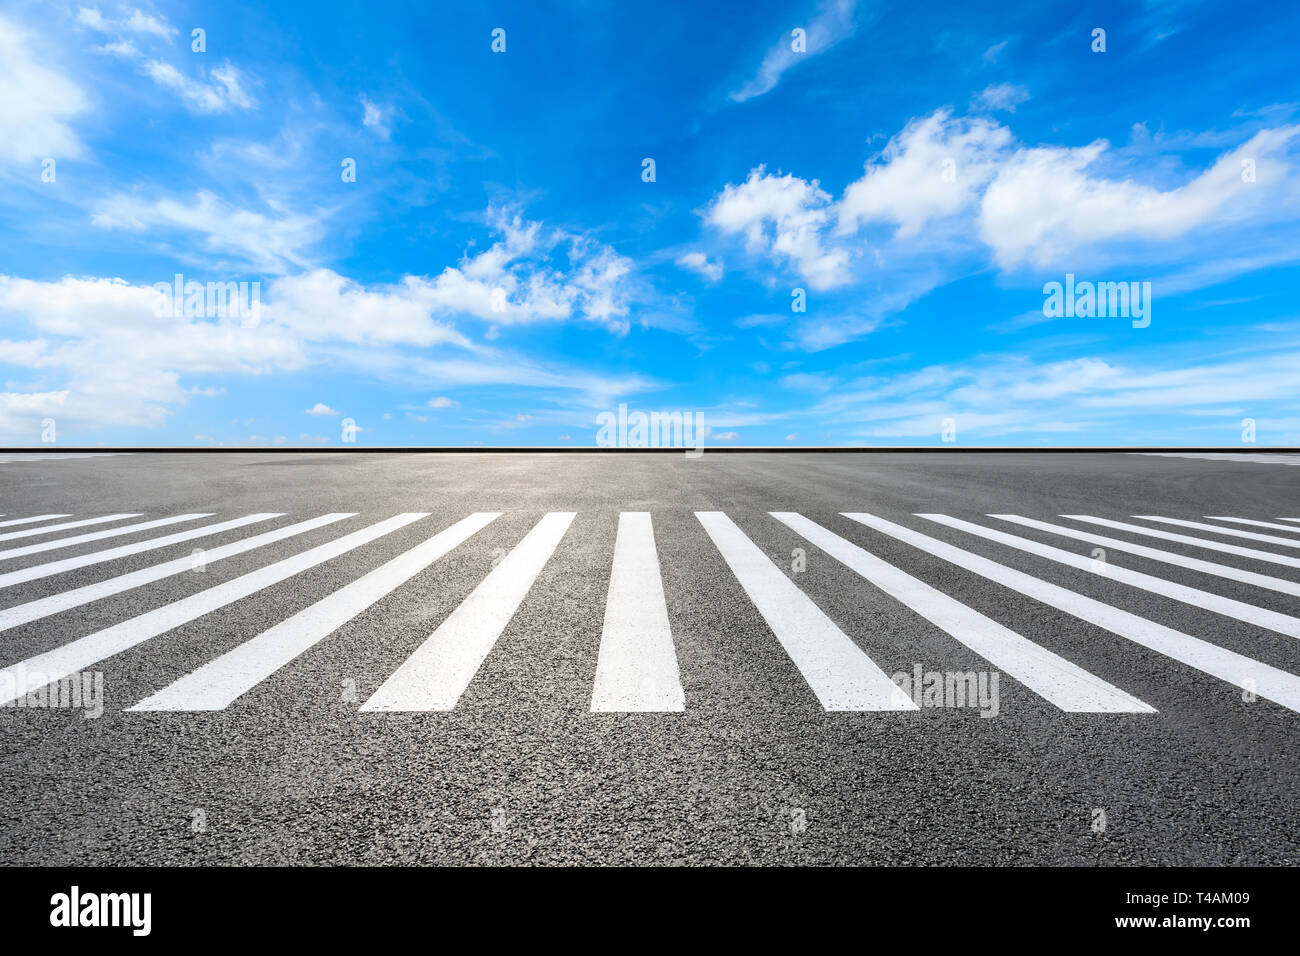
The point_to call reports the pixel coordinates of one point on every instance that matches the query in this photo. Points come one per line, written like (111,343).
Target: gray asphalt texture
(754,771)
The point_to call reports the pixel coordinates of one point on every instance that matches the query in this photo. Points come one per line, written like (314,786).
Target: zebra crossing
(637,666)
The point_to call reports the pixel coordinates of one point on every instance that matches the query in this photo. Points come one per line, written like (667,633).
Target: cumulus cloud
(37,104)
(934,168)
(59,332)
(71,325)
(783,217)
(1044,203)
(959,191)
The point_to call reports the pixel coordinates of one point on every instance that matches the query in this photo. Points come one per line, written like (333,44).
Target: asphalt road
(753,770)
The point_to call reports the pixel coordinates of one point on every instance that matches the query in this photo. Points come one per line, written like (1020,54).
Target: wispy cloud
(832,24)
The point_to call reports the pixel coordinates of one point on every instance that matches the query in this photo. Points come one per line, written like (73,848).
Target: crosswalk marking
(1168,557)
(59,543)
(839,672)
(57,664)
(637,669)
(1268,682)
(437,673)
(637,666)
(1068,686)
(98,557)
(44,607)
(31,532)
(1260,617)
(32,520)
(1257,524)
(216,685)
(1231,532)
(1244,552)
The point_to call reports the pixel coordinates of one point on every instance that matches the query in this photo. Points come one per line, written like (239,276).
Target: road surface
(640,658)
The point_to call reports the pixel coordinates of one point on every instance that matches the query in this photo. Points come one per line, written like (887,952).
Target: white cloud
(699,263)
(224,92)
(73,324)
(808,381)
(323,306)
(992,53)
(272,243)
(59,332)
(1043,204)
(141,22)
(1011,394)
(1016,205)
(37,104)
(513,281)
(442,402)
(320,408)
(138,22)
(1003,96)
(783,216)
(833,23)
(219,90)
(378,119)
(933,168)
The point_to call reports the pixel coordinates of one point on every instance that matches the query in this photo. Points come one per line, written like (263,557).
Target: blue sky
(501,272)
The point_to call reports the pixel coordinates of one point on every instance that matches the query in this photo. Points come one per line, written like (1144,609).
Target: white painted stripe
(59,543)
(1250,613)
(26,676)
(1268,682)
(1258,555)
(44,607)
(33,456)
(11,523)
(839,672)
(1233,532)
(98,557)
(1276,459)
(1257,524)
(437,673)
(1060,682)
(637,667)
(30,532)
(1168,557)
(216,685)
